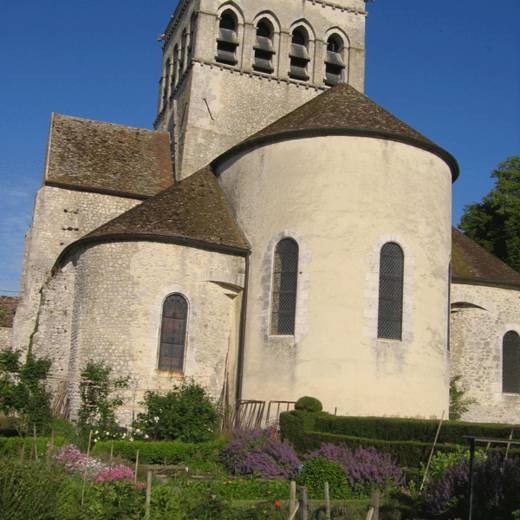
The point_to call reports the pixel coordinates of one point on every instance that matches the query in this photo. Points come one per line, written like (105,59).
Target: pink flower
(115,474)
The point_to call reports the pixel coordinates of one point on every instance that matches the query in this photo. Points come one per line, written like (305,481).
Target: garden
(179,461)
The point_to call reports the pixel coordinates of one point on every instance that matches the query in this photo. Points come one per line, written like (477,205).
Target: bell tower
(232,67)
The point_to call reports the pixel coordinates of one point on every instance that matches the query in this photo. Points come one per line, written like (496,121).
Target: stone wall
(480,317)
(60,217)
(341,200)
(119,290)
(6,335)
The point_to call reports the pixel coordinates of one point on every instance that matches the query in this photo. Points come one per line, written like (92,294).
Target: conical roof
(192,212)
(341,110)
(471,263)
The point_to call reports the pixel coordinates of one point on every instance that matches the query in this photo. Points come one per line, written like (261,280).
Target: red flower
(278,504)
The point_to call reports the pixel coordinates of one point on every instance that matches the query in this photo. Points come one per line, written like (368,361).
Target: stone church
(277,234)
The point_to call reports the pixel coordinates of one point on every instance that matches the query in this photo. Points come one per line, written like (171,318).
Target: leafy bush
(259,453)
(186,413)
(459,403)
(22,391)
(308,404)
(365,468)
(97,412)
(10,446)
(496,486)
(295,424)
(317,471)
(441,461)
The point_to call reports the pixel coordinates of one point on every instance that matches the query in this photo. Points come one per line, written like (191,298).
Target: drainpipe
(242,335)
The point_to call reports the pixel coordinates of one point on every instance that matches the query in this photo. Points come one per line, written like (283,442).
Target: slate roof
(192,212)
(341,110)
(8,306)
(471,263)
(107,158)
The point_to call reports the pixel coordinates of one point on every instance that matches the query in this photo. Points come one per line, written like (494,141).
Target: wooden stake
(136,466)
(374,503)
(305,503)
(292,498)
(22,452)
(432,451)
(111,452)
(148,495)
(327,501)
(50,448)
(34,444)
(85,472)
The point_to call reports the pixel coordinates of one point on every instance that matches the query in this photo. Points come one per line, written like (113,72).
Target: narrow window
(285,281)
(175,66)
(334,64)
(390,314)
(193,34)
(184,40)
(511,363)
(166,82)
(299,55)
(264,49)
(173,333)
(227,41)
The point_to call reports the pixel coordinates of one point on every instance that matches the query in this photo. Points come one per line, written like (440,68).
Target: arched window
(193,35)
(285,282)
(184,42)
(175,66)
(173,333)
(511,363)
(334,64)
(390,312)
(299,55)
(166,82)
(264,49)
(227,41)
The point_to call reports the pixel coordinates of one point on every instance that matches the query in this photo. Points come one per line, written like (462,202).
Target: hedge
(10,446)
(163,452)
(420,430)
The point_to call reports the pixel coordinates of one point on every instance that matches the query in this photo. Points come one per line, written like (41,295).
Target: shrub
(10,446)
(294,425)
(441,461)
(258,453)
(317,471)
(308,404)
(459,403)
(185,413)
(365,468)
(97,412)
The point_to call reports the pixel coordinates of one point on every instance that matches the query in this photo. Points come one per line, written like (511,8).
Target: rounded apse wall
(341,198)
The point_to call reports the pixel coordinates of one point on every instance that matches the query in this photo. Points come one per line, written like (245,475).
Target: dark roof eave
(136,237)
(484,282)
(100,191)
(256,142)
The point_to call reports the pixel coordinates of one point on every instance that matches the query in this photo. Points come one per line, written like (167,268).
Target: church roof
(107,158)
(471,263)
(192,212)
(8,306)
(342,110)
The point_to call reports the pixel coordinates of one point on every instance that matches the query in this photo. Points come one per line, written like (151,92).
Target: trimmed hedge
(420,430)
(163,452)
(10,446)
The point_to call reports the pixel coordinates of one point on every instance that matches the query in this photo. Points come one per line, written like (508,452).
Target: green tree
(494,223)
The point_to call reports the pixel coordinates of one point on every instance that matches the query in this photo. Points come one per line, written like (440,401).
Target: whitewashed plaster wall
(477,333)
(341,198)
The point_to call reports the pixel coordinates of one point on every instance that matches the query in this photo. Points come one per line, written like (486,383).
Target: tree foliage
(459,403)
(494,223)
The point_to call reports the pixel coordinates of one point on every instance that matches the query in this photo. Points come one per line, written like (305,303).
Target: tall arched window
(173,333)
(166,82)
(264,48)
(390,312)
(511,363)
(227,41)
(193,35)
(285,283)
(184,50)
(299,55)
(334,64)
(176,72)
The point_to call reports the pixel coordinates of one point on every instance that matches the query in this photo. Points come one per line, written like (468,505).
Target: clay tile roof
(193,211)
(107,158)
(8,306)
(471,263)
(345,111)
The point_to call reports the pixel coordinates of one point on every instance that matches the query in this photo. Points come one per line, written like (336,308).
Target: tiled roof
(342,110)
(193,211)
(8,306)
(107,158)
(471,263)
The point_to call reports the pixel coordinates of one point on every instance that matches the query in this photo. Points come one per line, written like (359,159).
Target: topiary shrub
(317,471)
(308,404)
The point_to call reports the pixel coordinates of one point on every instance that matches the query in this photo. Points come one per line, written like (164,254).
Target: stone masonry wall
(480,317)
(6,334)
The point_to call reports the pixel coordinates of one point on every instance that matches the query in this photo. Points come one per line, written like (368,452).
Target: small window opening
(175,66)
(227,41)
(264,49)
(166,82)
(299,55)
(173,333)
(183,50)
(334,64)
(193,33)
(511,363)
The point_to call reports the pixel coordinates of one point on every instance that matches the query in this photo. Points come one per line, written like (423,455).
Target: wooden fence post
(327,501)
(148,495)
(292,498)
(111,452)
(304,503)
(136,466)
(85,471)
(374,503)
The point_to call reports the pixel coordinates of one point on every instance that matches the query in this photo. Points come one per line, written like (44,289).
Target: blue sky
(451,69)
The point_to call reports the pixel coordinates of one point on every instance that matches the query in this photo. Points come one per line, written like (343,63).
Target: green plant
(11,446)
(316,472)
(98,405)
(23,395)
(308,404)
(186,413)
(459,404)
(441,461)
